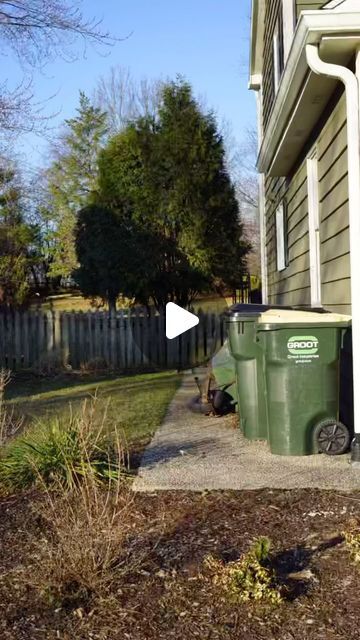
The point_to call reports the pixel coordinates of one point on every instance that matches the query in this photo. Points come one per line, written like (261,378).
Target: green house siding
(334,214)
(292,285)
(273,14)
(274,18)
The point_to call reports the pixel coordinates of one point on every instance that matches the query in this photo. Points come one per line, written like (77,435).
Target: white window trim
(281,260)
(289,23)
(314,228)
(276,45)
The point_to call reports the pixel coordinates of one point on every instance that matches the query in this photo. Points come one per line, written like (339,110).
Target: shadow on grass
(24,385)
(160,454)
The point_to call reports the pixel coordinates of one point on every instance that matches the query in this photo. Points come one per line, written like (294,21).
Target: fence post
(113,358)
(129,341)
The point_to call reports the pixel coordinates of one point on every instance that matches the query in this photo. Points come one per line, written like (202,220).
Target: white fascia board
(310,29)
(257,37)
(253,36)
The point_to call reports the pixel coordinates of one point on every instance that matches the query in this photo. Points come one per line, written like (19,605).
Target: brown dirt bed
(167,599)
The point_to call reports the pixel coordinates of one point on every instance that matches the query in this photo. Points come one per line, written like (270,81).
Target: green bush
(62,451)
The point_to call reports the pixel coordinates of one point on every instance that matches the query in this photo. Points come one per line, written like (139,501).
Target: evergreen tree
(197,193)
(114,256)
(169,175)
(73,179)
(17,241)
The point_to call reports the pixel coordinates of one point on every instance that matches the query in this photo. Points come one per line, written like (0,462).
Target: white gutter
(349,79)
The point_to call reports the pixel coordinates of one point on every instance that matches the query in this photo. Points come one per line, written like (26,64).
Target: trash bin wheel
(332,437)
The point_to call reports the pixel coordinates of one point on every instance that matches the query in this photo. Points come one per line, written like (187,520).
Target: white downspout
(263,252)
(350,81)
(261,193)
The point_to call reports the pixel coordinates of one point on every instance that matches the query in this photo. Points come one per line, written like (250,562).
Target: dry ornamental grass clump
(64,450)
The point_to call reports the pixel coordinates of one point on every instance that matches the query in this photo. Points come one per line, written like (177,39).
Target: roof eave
(256,41)
(310,29)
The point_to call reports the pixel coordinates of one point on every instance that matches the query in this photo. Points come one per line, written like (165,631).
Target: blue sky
(207,41)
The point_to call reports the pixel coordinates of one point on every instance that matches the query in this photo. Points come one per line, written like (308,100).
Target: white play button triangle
(178,320)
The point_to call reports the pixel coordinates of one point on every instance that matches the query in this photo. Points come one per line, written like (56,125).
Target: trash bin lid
(272,318)
(244,310)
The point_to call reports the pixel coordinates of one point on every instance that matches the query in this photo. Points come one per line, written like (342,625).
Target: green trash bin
(249,357)
(302,361)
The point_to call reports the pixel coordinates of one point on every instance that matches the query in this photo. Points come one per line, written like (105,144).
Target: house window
(314,228)
(278,53)
(281,237)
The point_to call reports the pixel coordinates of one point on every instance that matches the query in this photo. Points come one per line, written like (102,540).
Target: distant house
(305,69)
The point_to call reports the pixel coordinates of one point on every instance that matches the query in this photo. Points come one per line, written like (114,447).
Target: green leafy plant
(249,578)
(63,450)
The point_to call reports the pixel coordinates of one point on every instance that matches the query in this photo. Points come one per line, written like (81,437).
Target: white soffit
(342,5)
(308,108)
(302,95)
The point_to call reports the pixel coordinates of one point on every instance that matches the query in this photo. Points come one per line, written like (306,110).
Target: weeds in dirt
(10,424)
(64,450)
(352,540)
(249,578)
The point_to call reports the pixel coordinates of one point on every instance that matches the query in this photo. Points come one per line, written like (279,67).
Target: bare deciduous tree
(125,99)
(39,30)
(36,32)
(246,181)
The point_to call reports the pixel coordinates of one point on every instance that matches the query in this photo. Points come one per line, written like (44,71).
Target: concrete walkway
(196,452)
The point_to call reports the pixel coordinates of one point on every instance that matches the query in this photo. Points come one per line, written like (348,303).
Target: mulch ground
(167,598)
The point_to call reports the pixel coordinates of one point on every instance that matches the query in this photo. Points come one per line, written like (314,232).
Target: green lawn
(75,302)
(137,404)
(63,302)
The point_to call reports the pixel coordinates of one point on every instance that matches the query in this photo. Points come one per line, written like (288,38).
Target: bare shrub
(10,424)
(94,538)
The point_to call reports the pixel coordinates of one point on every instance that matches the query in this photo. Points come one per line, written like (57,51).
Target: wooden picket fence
(128,340)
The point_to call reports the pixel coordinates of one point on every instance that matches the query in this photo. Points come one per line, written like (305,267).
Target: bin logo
(303,345)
